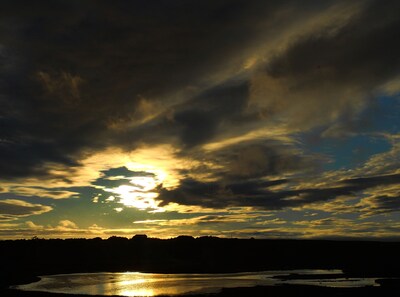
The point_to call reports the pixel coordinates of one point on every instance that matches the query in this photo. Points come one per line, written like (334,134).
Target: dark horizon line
(189,237)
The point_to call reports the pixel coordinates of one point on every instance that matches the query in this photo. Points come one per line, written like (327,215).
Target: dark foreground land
(23,260)
(277,291)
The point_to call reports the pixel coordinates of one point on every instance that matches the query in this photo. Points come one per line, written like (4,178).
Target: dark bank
(24,260)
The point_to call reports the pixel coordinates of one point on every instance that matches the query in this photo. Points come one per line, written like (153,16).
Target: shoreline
(386,287)
(27,259)
(257,291)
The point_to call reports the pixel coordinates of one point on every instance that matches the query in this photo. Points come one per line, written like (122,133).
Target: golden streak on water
(141,285)
(136,292)
(149,284)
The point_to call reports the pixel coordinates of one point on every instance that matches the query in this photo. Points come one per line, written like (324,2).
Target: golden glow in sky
(276,119)
(136,196)
(141,192)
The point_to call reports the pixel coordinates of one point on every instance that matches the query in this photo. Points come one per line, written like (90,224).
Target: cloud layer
(251,105)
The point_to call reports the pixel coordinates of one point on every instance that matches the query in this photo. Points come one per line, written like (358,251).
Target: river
(153,284)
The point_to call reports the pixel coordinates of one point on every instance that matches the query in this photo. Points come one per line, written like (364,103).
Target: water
(151,284)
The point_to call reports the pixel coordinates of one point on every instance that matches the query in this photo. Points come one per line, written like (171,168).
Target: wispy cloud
(11,209)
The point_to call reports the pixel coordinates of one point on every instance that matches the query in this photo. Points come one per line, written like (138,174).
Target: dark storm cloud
(373,181)
(255,159)
(115,177)
(198,119)
(72,69)
(267,158)
(329,78)
(362,52)
(125,172)
(256,193)
(217,195)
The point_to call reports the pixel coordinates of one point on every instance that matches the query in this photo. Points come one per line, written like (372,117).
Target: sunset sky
(230,118)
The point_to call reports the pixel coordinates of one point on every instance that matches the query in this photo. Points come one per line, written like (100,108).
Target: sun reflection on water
(149,284)
(130,284)
(140,285)
(136,292)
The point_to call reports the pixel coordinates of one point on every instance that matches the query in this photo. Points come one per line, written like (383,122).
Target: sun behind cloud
(140,196)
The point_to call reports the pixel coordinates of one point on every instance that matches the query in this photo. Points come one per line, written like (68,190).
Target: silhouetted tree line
(23,259)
